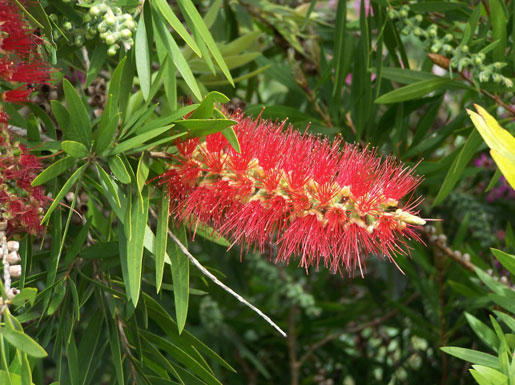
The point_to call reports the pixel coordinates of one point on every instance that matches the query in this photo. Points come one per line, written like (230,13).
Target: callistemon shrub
(317,200)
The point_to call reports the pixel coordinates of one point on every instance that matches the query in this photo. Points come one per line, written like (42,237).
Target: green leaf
(190,12)
(339,46)
(454,174)
(161,236)
(135,243)
(54,170)
(499,19)
(175,54)
(413,91)
(98,58)
(142,172)
(486,334)
(23,342)
(88,346)
(62,116)
(507,260)
(507,319)
(115,85)
(181,277)
(240,44)
(203,127)
(176,24)
(206,108)
(117,167)
(472,356)
(28,294)
(138,140)
(64,190)
(143,57)
(75,149)
(109,184)
(80,125)
(494,376)
(116,356)
(231,137)
(105,134)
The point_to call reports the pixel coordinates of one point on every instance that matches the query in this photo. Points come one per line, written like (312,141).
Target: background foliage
(113,299)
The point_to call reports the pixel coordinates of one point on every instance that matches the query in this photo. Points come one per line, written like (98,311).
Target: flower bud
(109,20)
(419,18)
(126,33)
(15,271)
(94,11)
(13,258)
(13,246)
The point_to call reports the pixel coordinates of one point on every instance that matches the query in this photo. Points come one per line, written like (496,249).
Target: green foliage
(116,299)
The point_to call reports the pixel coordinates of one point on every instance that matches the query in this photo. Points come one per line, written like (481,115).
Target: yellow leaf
(500,141)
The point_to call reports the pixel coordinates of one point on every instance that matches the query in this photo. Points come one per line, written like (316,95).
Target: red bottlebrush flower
(321,201)
(18,95)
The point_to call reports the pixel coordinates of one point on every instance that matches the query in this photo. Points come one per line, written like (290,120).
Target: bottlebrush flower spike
(321,201)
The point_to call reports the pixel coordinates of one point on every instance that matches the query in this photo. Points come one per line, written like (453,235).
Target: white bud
(15,271)
(13,258)
(13,246)
(504,280)
(466,257)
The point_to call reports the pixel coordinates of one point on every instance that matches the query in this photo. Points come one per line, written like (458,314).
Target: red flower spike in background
(321,201)
(21,65)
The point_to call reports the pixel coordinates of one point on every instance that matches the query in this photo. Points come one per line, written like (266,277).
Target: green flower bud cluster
(110,23)
(445,44)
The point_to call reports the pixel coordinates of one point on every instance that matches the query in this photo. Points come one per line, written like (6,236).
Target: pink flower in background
(323,202)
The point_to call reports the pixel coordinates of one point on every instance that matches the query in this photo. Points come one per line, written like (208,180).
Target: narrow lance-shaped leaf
(161,239)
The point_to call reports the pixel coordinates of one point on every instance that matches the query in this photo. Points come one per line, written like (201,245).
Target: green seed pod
(86,18)
(448,37)
(126,33)
(403,14)
(53,17)
(92,31)
(405,31)
(405,8)
(447,48)
(496,78)
(418,31)
(498,65)
(392,14)
(481,55)
(104,35)
(102,8)
(67,26)
(419,18)
(117,11)
(465,49)
(432,32)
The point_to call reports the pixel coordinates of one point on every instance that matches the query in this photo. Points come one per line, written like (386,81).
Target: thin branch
(353,329)
(222,285)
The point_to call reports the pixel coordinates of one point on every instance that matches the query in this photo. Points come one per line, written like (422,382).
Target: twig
(292,346)
(221,284)
(440,243)
(354,329)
